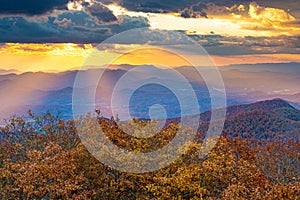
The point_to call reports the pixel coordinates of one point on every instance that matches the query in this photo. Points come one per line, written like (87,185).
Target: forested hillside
(257,157)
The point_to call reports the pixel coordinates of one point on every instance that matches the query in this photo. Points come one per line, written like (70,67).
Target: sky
(59,35)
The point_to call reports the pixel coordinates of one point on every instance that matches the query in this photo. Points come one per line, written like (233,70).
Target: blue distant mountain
(42,91)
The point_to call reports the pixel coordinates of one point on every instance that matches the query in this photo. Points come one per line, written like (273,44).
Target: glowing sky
(260,21)
(62,57)
(56,39)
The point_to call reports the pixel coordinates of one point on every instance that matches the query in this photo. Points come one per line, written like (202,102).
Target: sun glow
(44,57)
(259,21)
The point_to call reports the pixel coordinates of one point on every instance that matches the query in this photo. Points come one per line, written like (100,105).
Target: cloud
(214,10)
(215,44)
(229,45)
(187,9)
(274,21)
(268,16)
(63,23)
(152,37)
(94,8)
(91,20)
(46,49)
(101,13)
(31,7)
(75,26)
(195,11)
(257,27)
(206,8)
(155,6)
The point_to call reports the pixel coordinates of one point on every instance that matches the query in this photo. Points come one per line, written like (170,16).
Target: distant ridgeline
(266,120)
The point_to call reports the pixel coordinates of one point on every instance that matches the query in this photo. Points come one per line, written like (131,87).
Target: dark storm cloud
(36,21)
(77,27)
(30,7)
(96,10)
(101,13)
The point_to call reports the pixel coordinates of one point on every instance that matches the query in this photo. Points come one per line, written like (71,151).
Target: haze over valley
(42,91)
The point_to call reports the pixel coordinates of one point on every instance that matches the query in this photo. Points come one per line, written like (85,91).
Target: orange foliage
(44,159)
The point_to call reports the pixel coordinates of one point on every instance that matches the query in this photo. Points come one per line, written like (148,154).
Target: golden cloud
(269,16)
(64,49)
(270,21)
